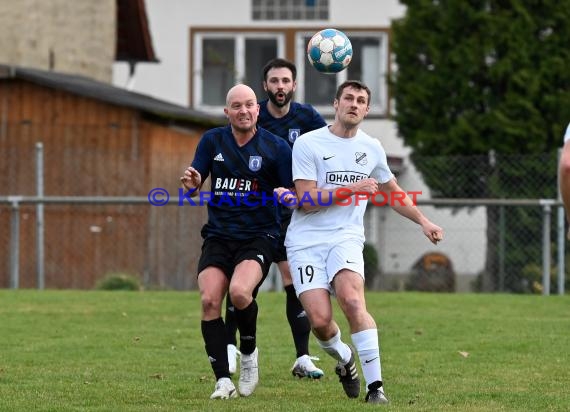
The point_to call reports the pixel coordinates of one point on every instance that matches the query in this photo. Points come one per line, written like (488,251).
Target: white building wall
(399,242)
(366,13)
(170,22)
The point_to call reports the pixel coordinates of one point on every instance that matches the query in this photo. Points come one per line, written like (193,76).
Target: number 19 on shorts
(306,273)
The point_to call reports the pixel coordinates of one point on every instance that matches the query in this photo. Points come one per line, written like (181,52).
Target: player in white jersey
(564,174)
(335,169)
(334,162)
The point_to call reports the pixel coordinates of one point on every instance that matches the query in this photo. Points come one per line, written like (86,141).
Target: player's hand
(433,232)
(191,179)
(287,197)
(368,185)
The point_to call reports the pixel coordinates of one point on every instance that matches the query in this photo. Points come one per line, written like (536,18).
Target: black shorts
(281,250)
(226,254)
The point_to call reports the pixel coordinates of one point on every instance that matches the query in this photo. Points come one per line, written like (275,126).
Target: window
(223,59)
(218,66)
(369,64)
(289,10)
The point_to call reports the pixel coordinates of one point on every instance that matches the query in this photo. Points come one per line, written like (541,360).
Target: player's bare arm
(192,180)
(564,173)
(433,232)
(320,198)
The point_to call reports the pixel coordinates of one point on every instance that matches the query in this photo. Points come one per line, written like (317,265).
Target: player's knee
(286,277)
(240,296)
(320,321)
(210,304)
(351,305)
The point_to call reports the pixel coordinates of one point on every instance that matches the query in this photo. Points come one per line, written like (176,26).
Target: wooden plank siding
(93,148)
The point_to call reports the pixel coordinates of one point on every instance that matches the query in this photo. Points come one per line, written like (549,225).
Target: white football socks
(336,348)
(366,344)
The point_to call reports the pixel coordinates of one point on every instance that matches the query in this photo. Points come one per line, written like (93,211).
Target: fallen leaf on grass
(462,353)
(158,376)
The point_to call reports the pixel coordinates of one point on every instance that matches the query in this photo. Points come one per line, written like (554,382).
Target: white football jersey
(334,162)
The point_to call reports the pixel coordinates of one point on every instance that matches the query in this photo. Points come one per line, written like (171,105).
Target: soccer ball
(329,51)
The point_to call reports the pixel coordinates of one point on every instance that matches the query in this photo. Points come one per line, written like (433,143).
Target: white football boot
(224,389)
(249,373)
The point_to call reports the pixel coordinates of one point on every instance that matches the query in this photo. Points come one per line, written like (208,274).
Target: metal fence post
(40,253)
(501,248)
(15,242)
(561,241)
(561,238)
(545,247)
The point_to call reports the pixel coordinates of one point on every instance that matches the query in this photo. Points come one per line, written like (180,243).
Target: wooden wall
(96,149)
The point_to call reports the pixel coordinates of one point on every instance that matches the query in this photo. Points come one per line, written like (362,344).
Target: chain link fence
(504,228)
(87,227)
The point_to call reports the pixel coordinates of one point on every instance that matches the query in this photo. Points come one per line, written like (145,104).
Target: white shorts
(316,266)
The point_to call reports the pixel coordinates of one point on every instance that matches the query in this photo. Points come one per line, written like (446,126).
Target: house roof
(134,42)
(86,87)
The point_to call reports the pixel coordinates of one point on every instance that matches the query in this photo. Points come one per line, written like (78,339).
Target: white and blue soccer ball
(329,51)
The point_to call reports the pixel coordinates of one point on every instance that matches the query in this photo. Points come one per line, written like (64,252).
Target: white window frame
(239,55)
(377,109)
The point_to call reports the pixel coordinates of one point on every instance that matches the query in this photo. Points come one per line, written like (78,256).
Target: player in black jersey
(288,119)
(245,163)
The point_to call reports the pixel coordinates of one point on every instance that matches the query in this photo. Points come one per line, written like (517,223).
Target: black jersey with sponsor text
(240,200)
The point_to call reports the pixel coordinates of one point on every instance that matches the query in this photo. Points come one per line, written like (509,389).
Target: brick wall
(70,36)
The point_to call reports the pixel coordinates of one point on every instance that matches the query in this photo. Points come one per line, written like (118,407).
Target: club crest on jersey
(293,134)
(361,158)
(254,163)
